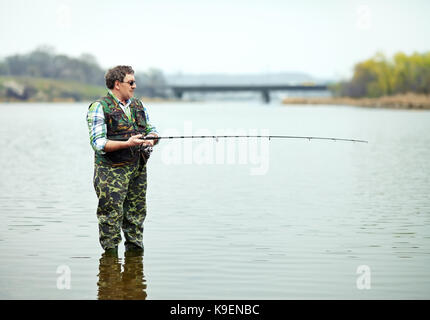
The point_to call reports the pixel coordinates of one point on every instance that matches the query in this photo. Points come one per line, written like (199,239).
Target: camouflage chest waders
(120,178)
(122,203)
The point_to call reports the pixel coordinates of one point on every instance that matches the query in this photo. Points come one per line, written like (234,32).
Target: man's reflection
(126,285)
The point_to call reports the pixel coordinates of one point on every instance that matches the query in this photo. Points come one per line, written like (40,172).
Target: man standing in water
(116,123)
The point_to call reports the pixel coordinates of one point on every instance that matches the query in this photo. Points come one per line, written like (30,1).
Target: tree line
(43,62)
(380,76)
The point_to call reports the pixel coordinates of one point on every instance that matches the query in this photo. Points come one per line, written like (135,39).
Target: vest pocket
(118,120)
(141,119)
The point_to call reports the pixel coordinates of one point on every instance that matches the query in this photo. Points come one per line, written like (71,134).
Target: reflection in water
(126,285)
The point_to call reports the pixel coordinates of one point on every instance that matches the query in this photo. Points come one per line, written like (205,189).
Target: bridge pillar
(178,94)
(266,96)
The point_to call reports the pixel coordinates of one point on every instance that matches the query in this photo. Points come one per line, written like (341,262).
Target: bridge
(179,91)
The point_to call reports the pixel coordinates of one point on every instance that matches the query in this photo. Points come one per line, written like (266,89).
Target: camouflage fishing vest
(120,128)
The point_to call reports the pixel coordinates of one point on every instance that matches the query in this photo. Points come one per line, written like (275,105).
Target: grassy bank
(399,101)
(28,89)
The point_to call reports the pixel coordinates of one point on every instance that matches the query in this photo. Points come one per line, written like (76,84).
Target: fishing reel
(147,149)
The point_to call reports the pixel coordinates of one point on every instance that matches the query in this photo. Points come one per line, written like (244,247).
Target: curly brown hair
(117,73)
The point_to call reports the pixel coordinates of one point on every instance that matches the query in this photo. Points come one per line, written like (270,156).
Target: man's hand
(136,140)
(113,145)
(150,142)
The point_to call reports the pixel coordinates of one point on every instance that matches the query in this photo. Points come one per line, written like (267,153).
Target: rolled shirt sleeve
(97,127)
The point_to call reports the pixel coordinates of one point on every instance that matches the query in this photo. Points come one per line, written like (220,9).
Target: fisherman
(116,124)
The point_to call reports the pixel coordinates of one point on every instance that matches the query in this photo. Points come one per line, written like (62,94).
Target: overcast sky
(322,38)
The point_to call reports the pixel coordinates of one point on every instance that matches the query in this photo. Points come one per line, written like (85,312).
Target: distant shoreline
(400,101)
(408,101)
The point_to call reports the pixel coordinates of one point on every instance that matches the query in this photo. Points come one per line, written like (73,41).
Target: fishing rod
(250,136)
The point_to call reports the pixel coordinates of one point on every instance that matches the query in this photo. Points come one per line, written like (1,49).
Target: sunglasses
(131,82)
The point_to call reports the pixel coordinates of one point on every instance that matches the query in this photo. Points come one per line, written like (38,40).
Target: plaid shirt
(97,126)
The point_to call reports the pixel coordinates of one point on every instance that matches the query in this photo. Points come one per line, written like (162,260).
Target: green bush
(380,76)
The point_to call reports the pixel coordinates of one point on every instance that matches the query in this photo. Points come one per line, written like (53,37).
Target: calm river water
(285,219)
